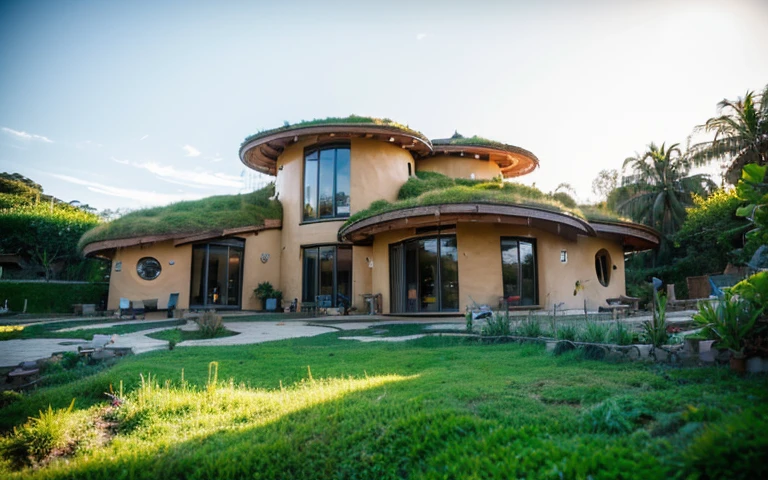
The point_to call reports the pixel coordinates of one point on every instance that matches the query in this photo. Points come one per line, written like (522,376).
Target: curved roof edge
(638,237)
(512,160)
(563,224)
(100,248)
(260,151)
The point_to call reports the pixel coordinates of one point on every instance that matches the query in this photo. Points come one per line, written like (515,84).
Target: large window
(602,267)
(518,271)
(217,274)
(327,270)
(326,183)
(424,275)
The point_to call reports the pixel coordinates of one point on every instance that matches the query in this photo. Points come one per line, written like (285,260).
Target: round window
(148,268)
(603,267)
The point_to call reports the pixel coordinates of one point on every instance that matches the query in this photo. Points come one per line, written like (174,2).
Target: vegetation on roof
(431,188)
(190,217)
(475,141)
(352,119)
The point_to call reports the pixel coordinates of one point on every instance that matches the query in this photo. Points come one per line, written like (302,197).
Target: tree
(660,188)
(741,135)
(606,182)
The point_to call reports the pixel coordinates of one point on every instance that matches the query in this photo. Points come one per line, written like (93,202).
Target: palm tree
(660,188)
(741,135)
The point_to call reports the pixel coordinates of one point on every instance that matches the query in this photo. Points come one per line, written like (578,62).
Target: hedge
(49,297)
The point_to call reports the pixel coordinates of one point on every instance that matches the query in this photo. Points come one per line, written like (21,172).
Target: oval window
(603,267)
(148,268)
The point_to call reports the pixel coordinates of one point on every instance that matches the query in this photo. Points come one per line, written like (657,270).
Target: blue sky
(131,104)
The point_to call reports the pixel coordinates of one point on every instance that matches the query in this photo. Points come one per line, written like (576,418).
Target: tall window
(424,275)
(327,270)
(518,271)
(602,267)
(217,274)
(326,183)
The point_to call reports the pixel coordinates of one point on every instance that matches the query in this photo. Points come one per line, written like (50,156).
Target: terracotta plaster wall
(173,278)
(459,167)
(377,171)
(480,278)
(255,271)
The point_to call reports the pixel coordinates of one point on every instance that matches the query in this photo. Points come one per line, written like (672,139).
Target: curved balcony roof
(260,151)
(560,223)
(632,235)
(513,161)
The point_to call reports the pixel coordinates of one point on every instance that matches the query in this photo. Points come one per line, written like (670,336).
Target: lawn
(436,407)
(53,330)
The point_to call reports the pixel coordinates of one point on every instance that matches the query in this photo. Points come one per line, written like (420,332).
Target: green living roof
(350,120)
(430,188)
(475,141)
(191,217)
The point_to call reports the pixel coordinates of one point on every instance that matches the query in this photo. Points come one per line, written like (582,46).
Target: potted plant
(265,292)
(729,323)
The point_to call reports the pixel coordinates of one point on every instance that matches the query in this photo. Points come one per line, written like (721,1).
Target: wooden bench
(20,375)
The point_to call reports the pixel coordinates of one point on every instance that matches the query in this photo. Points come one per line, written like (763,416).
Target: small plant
(35,440)
(530,327)
(567,331)
(656,329)
(730,323)
(614,416)
(496,326)
(621,334)
(470,324)
(264,291)
(594,332)
(210,324)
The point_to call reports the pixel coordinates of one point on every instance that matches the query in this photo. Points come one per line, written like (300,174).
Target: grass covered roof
(191,217)
(350,120)
(431,188)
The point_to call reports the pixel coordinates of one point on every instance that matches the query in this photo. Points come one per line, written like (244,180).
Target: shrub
(615,416)
(594,332)
(567,331)
(656,329)
(621,334)
(47,297)
(731,322)
(496,326)
(36,439)
(530,327)
(734,448)
(210,324)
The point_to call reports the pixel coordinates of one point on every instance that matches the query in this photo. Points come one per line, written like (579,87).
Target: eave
(513,161)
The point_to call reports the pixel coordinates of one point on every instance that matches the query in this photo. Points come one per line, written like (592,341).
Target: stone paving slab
(13,352)
(259,332)
(114,324)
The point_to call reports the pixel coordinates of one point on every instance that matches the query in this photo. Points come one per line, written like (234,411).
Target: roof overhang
(513,161)
(563,224)
(107,248)
(261,153)
(632,235)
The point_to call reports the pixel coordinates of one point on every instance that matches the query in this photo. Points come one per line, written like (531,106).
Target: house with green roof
(363,207)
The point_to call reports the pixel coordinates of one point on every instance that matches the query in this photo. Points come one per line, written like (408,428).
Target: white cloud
(141,196)
(191,151)
(421,36)
(26,136)
(144,137)
(189,178)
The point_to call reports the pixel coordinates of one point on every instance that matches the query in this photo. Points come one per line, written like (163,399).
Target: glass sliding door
(518,271)
(327,270)
(426,276)
(217,275)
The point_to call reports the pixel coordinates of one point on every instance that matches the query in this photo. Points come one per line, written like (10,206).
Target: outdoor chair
(125,308)
(172,301)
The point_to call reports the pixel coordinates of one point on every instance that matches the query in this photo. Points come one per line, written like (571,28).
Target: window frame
(140,269)
(231,243)
(605,278)
(304,280)
(534,248)
(318,149)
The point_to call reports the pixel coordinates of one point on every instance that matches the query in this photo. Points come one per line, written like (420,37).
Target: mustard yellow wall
(377,171)
(255,271)
(479,247)
(173,278)
(459,167)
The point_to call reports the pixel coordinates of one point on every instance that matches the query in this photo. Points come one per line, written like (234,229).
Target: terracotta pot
(738,364)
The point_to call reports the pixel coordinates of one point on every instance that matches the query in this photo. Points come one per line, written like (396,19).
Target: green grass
(431,188)
(177,335)
(207,214)
(436,407)
(351,119)
(53,330)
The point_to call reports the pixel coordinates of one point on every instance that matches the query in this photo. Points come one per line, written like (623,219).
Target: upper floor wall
(460,167)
